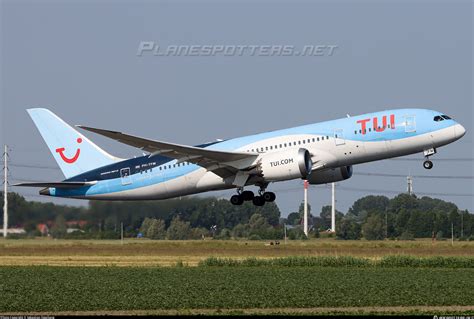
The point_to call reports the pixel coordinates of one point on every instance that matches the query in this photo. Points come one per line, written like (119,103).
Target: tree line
(370,217)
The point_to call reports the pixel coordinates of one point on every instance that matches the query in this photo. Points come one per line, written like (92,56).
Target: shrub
(255,237)
(406,235)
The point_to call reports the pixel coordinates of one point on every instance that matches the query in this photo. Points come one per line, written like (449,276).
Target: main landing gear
(427,153)
(258,200)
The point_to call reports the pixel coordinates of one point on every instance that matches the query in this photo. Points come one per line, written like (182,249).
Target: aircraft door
(410,123)
(339,137)
(125,176)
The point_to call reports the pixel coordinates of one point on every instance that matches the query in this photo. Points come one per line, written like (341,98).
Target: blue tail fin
(74,153)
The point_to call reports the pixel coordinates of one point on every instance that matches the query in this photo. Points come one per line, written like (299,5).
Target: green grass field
(270,289)
(232,277)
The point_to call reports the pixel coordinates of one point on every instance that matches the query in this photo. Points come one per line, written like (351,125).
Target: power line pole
(121,233)
(5,192)
(452,234)
(305,217)
(409,185)
(333,208)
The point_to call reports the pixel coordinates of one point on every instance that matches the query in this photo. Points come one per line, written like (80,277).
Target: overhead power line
(34,166)
(377,191)
(383,191)
(458,159)
(416,176)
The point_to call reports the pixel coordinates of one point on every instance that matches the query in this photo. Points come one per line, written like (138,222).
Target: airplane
(319,153)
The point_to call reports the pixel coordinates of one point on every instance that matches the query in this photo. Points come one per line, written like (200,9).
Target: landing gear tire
(247,195)
(428,164)
(269,196)
(237,200)
(258,201)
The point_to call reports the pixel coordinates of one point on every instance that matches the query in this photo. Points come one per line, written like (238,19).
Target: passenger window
(355,132)
(271,147)
(370,129)
(327,137)
(284,144)
(313,139)
(266,148)
(281,145)
(294,143)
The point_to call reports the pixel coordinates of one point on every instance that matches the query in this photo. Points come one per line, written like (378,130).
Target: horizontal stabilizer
(57,184)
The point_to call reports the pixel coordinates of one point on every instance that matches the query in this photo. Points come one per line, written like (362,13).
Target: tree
(156,230)
(301,209)
(326,212)
(59,229)
(145,225)
(258,225)
(370,203)
(296,233)
(178,230)
(348,228)
(240,231)
(294,218)
(374,228)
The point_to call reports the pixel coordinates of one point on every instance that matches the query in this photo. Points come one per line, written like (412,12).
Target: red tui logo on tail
(72,159)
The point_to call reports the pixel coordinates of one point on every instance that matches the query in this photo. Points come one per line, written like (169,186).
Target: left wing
(222,163)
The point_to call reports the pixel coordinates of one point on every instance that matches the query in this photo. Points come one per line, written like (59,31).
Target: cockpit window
(438,118)
(445,117)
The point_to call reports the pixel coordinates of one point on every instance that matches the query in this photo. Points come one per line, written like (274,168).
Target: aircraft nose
(459,131)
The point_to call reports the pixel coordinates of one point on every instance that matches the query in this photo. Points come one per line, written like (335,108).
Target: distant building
(72,230)
(76,223)
(43,229)
(18,231)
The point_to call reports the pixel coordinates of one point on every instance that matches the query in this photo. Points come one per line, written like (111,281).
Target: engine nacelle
(286,165)
(330,175)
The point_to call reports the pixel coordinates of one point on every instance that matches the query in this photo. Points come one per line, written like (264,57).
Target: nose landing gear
(427,153)
(428,164)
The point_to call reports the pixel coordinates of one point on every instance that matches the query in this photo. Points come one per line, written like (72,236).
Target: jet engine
(330,175)
(286,165)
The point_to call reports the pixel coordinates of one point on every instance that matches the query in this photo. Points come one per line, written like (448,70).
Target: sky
(79,59)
